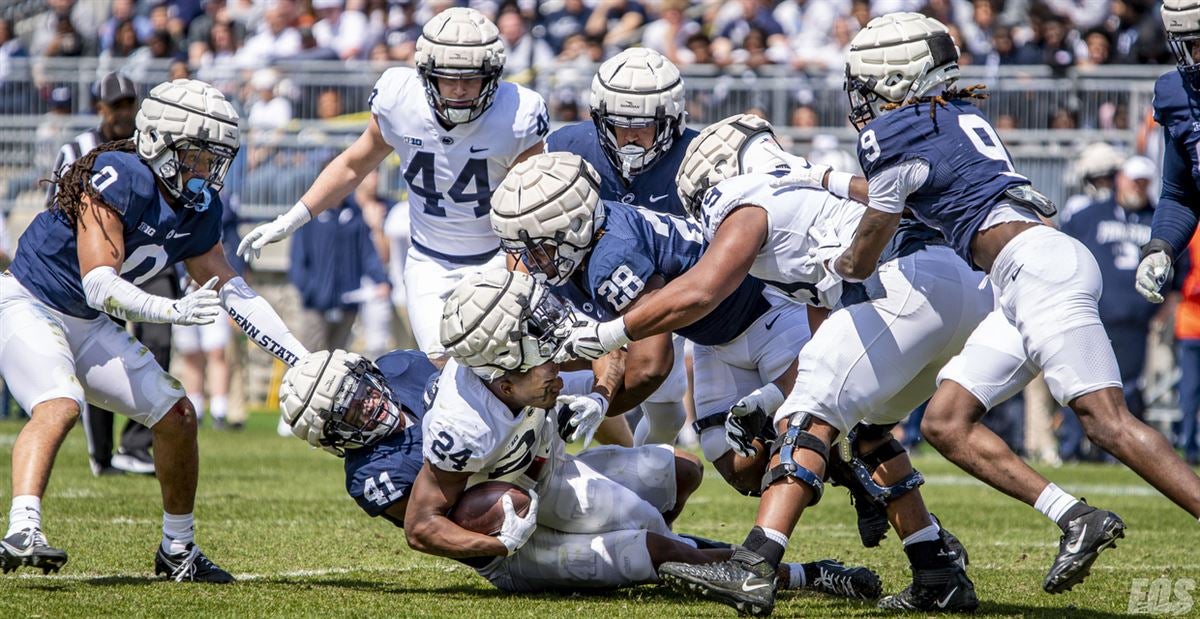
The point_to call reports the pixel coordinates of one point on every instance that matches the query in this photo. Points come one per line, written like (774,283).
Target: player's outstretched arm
(251,312)
(101,250)
(875,231)
(336,181)
(428,529)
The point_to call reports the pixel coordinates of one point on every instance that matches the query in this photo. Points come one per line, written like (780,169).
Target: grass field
(275,513)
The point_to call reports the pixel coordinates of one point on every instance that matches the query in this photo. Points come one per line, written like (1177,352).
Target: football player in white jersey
(457,129)
(873,357)
(597,520)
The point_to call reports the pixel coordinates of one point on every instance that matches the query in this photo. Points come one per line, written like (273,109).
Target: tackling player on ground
(122,213)
(458,129)
(505,416)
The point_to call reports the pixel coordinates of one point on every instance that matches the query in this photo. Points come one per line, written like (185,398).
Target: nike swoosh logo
(1074,546)
(654,199)
(946,600)
(477,150)
(1017,272)
(771,322)
(180,236)
(747,588)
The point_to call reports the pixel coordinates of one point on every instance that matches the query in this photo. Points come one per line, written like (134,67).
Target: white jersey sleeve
(451,172)
(794,213)
(888,190)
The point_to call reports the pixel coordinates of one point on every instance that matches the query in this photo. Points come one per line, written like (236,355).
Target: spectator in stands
(343,31)
(1097,49)
(808,24)
(200,28)
(1064,118)
(310,49)
(329,258)
(583,50)
(668,34)
(162,24)
(754,18)
(122,11)
(16,93)
(278,40)
(1050,43)
(830,55)
(268,111)
(701,48)
(401,39)
(61,30)
(570,20)
(1083,14)
(216,60)
(616,22)
(1094,172)
(525,54)
(1114,231)
(1006,52)
(978,26)
(1187,333)
(178,69)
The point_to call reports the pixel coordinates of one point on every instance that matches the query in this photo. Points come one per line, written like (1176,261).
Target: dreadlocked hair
(950,94)
(75,182)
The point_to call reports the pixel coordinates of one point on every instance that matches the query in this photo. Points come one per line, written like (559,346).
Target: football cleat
(29,547)
(872,519)
(835,578)
(1086,537)
(953,545)
(189,566)
(945,589)
(138,462)
(746,581)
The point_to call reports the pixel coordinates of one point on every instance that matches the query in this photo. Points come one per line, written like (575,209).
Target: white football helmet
(187,132)
(547,213)
(460,43)
(895,58)
(499,321)
(637,88)
(338,400)
(727,148)
(1182,21)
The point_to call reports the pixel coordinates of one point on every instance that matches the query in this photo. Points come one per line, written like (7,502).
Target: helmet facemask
(633,159)
(362,412)
(1186,47)
(204,165)
(460,111)
(551,261)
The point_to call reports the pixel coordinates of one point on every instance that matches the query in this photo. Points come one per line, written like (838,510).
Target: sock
(197,403)
(219,406)
(797,575)
(26,513)
(767,543)
(1054,502)
(928,534)
(178,532)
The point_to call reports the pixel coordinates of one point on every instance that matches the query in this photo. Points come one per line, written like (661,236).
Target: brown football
(479,508)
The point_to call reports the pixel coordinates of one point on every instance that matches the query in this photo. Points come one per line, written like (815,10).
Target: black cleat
(872,519)
(29,547)
(746,581)
(945,589)
(953,545)
(189,566)
(834,578)
(1086,537)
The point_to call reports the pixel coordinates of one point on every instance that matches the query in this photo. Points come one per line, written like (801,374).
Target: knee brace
(796,437)
(854,471)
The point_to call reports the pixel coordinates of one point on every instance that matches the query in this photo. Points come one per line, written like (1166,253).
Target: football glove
(748,416)
(821,259)
(200,307)
(591,340)
(517,530)
(273,231)
(580,415)
(1152,273)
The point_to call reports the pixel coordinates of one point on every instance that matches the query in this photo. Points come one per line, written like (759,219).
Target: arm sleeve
(889,189)
(105,291)
(260,322)
(1174,220)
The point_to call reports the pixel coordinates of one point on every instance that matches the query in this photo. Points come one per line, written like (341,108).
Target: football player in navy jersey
(925,148)
(635,141)
(1177,109)
(606,257)
(123,212)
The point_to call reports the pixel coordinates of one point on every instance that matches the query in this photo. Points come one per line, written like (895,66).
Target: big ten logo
(1161,596)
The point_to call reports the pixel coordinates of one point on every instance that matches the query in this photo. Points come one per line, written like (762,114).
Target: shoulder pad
(391,87)
(125,183)
(729,194)
(532,119)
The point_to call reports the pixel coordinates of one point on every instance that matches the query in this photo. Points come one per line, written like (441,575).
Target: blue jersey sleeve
(617,273)
(125,184)
(1175,216)
(889,141)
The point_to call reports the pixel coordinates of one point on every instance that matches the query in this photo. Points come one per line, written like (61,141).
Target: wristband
(838,183)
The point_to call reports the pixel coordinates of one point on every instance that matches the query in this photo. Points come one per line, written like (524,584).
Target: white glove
(201,307)
(517,530)
(1153,271)
(591,340)
(803,173)
(748,416)
(276,230)
(821,260)
(580,415)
